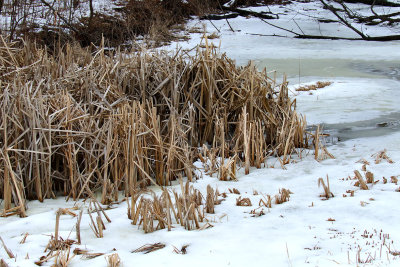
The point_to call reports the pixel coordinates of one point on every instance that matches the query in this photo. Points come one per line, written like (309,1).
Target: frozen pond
(302,69)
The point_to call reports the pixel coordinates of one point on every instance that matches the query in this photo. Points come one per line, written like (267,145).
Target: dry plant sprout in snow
(327,191)
(113,260)
(283,196)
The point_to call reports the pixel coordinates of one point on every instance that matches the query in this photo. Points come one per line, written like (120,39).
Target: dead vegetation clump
(266,201)
(8,251)
(113,260)
(154,212)
(361,182)
(313,87)
(369,177)
(246,202)
(3,263)
(320,150)
(327,191)
(382,155)
(86,254)
(78,122)
(234,191)
(182,251)
(148,248)
(283,196)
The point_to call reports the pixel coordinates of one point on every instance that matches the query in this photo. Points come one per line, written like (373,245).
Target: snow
(296,231)
(365,87)
(350,100)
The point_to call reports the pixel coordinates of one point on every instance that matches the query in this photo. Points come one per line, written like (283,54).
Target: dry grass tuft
(283,196)
(369,177)
(382,155)
(267,201)
(3,263)
(210,200)
(86,254)
(234,191)
(363,161)
(317,85)
(182,251)
(361,182)
(149,248)
(394,179)
(154,212)
(63,257)
(113,260)
(327,192)
(321,152)
(246,202)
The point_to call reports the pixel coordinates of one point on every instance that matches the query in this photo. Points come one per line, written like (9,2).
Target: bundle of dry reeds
(160,212)
(76,122)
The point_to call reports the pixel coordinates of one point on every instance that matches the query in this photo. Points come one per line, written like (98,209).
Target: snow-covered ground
(296,233)
(306,231)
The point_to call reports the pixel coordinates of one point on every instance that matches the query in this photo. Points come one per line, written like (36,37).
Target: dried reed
(86,254)
(361,181)
(63,257)
(183,250)
(8,251)
(369,177)
(113,260)
(283,196)
(149,248)
(243,202)
(74,122)
(3,263)
(382,155)
(327,191)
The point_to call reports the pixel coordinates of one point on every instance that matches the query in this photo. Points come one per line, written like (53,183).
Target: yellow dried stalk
(183,250)
(369,177)
(243,202)
(361,180)
(86,253)
(63,257)
(283,196)
(382,155)
(24,238)
(100,226)
(227,171)
(3,263)
(210,200)
(78,227)
(327,192)
(113,260)
(8,251)
(234,191)
(267,201)
(363,161)
(149,248)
